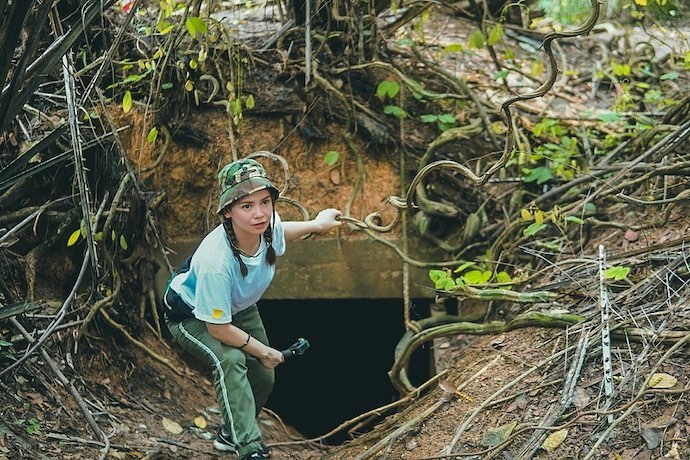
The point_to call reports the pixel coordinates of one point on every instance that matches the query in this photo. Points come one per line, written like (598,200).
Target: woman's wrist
(246,342)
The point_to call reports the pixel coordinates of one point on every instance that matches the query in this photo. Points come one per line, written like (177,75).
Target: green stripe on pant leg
(262,379)
(230,378)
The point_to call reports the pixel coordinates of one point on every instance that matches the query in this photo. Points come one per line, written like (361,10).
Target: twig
(468,420)
(69,387)
(139,344)
(376,412)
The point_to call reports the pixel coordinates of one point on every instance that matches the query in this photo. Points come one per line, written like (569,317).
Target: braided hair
(268,236)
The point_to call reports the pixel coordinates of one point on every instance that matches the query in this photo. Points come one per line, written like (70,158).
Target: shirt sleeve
(278,235)
(213,298)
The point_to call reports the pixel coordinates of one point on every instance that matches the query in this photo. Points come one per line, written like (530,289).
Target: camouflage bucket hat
(241,178)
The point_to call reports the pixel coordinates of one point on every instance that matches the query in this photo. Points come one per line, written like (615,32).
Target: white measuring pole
(605,333)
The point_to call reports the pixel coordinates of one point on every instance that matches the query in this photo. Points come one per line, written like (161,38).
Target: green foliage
(331,158)
(533,228)
(567,12)
(442,279)
(558,157)
(31,426)
(654,8)
(127,102)
(387,88)
(195,26)
(616,273)
(476,40)
(495,34)
(469,273)
(153,135)
(395,111)
(444,121)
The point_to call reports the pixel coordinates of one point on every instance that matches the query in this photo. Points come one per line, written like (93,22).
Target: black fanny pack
(175,308)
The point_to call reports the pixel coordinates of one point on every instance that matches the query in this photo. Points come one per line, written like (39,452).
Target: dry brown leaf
(200,422)
(631,235)
(171,426)
(554,440)
(662,380)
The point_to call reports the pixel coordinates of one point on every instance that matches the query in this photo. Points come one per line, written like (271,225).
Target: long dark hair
(268,236)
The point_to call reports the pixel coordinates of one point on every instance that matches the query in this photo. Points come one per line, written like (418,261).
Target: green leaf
(195,25)
(153,135)
(453,48)
(616,273)
(669,76)
(575,219)
(123,242)
(436,275)
(167,85)
(249,103)
(331,157)
(5,344)
(477,276)
(533,229)
(503,277)
(590,207)
(387,88)
(501,74)
(610,117)
(539,175)
(164,27)
(429,118)
(447,118)
(127,102)
(495,34)
(395,111)
(74,237)
(463,266)
(33,426)
(476,40)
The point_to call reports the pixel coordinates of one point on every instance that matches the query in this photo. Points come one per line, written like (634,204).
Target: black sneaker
(258,455)
(223,442)
(265,450)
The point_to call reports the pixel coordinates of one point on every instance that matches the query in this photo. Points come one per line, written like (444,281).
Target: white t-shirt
(214,286)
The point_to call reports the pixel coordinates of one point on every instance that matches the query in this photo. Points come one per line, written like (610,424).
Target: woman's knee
(231,357)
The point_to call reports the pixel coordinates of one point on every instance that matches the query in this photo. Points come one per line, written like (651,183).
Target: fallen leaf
(631,235)
(652,437)
(498,342)
(114,453)
(335,176)
(673,452)
(580,398)
(498,435)
(200,422)
(411,444)
(661,422)
(662,380)
(171,426)
(554,440)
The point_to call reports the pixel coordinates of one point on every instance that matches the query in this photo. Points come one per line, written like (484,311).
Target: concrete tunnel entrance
(344,373)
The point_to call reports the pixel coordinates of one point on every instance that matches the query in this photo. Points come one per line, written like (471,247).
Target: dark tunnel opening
(344,373)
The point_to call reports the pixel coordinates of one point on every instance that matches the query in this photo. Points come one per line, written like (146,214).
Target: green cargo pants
(242,383)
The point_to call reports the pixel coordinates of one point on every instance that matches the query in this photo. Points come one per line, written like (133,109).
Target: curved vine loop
(283,162)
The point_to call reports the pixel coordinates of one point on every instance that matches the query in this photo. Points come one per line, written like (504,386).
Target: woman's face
(252,214)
